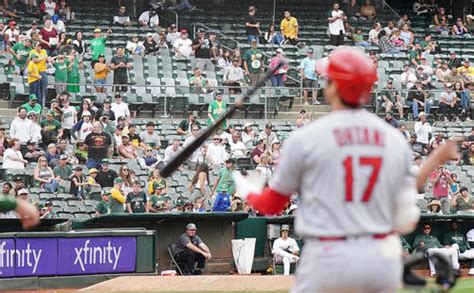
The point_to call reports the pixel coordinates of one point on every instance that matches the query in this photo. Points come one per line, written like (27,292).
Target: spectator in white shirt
(423,129)
(237,148)
(374,34)
(122,18)
(149,18)
(336,26)
(172,150)
(182,46)
(12,158)
(69,118)
(192,161)
(22,128)
(120,108)
(149,137)
(33,29)
(427,69)
(268,135)
(172,35)
(233,76)
(216,152)
(407,78)
(86,125)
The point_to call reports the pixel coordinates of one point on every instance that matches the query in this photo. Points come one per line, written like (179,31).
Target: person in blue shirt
(310,80)
(222,202)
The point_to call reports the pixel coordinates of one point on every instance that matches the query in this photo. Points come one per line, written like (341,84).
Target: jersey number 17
(375,163)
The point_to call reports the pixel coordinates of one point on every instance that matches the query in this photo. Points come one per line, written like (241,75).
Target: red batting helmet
(352,71)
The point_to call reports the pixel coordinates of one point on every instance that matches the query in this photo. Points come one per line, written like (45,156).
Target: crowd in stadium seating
(63,147)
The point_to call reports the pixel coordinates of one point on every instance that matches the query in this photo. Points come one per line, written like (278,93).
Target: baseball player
(355,184)
(27,213)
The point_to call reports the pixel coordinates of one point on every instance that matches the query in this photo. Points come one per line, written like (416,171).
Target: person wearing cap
(442,71)
(407,78)
(172,35)
(233,77)
(462,201)
(63,171)
(150,46)
(285,249)
(40,61)
(68,119)
(106,176)
(268,135)
(310,79)
(98,143)
(101,70)
(191,252)
(336,20)
(216,153)
(389,98)
(427,243)
(61,65)
(289,28)
(32,105)
(97,44)
(254,60)
(186,125)
(20,51)
(102,207)
(84,126)
(418,97)
(454,61)
(120,64)
(34,77)
(424,77)
(122,18)
(252,26)
(49,7)
(46,211)
(449,103)
(183,45)
(149,138)
(159,203)
(12,157)
(216,109)
(149,18)
(202,51)
(224,182)
(458,240)
(19,184)
(279,77)
(105,111)
(51,129)
(11,34)
(127,149)
(117,199)
(91,179)
(466,71)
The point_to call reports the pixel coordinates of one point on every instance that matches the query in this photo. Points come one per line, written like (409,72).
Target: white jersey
(348,168)
(289,244)
(470,238)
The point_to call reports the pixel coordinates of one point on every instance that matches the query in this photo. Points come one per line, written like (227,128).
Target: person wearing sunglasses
(427,243)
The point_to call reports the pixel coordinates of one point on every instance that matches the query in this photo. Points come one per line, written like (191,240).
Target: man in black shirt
(106,176)
(417,97)
(106,109)
(252,26)
(120,64)
(98,143)
(190,249)
(202,51)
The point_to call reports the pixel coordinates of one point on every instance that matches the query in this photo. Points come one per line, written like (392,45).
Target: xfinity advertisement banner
(23,257)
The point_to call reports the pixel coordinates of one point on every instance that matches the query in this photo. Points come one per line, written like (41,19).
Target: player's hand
(246,185)
(448,151)
(27,214)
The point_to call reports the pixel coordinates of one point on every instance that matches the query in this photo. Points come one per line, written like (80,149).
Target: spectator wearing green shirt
(102,207)
(254,59)
(389,98)
(455,239)
(186,125)
(225,180)
(428,243)
(62,171)
(462,201)
(20,52)
(61,67)
(216,109)
(97,45)
(32,105)
(158,202)
(50,129)
(73,77)
(415,55)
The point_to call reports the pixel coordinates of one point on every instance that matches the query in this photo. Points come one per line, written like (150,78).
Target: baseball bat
(172,165)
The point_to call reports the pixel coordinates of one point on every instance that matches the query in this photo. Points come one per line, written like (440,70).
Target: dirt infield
(195,283)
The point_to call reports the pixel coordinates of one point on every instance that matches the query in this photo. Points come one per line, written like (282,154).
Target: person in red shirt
(48,36)
(439,181)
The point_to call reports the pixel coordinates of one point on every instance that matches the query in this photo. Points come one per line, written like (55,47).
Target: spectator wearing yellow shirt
(41,63)
(157,181)
(289,28)
(34,77)
(101,69)
(466,71)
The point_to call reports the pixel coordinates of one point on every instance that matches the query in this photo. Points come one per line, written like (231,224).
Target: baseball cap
(449,84)
(390,80)
(285,227)
(105,161)
(180,202)
(219,92)
(78,168)
(12,23)
(195,114)
(173,25)
(118,180)
(86,113)
(269,126)
(148,35)
(18,178)
(101,55)
(92,170)
(157,185)
(183,31)
(191,226)
(105,193)
(310,51)
(32,97)
(23,191)
(35,22)
(252,8)
(201,30)
(63,157)
(279,50)
(107,101)
(466,59)
(97,30)
(452,52)
(247,124)
(50,113)
(422,114)
(48,203)
(414,135)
